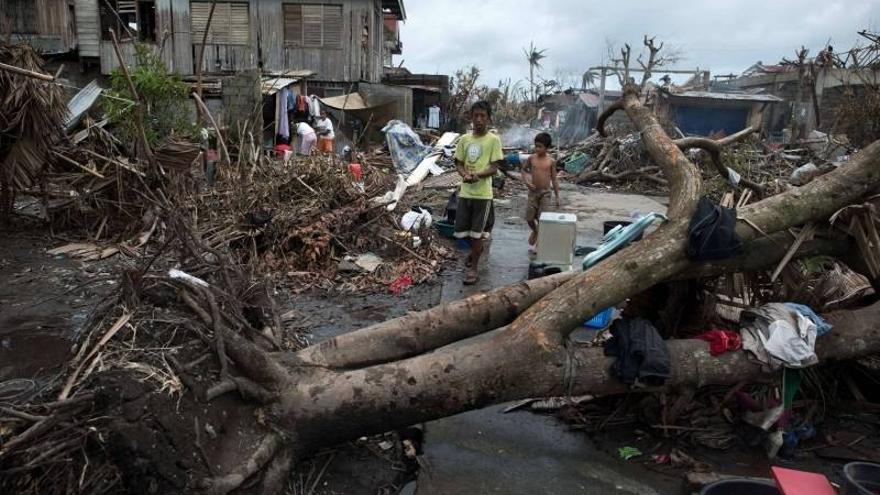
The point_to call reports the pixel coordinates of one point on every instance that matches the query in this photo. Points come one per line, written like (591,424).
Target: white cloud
(441,36)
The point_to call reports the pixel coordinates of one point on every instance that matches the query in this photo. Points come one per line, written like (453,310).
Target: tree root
(247,388)
(265,452)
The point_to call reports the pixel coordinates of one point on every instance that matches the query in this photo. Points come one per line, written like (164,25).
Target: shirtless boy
(539,172)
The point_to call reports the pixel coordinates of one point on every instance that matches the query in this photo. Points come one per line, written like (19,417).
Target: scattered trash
(721,341)
(413,221)
(400,284)
(627,453)
(804,174)
(175,273)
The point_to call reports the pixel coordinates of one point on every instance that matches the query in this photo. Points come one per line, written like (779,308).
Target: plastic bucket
(445,229)
(861,478)
(741,487)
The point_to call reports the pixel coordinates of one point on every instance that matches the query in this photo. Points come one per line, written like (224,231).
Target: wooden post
(201,58)
(25,72)
(602,90)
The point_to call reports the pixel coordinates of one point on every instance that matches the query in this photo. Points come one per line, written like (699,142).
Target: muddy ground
(45,300)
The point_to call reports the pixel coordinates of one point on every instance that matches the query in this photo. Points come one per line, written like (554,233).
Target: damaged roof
(395,7)
(708,95)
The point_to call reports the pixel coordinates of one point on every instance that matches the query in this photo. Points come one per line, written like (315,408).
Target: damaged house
(820,95)
(341,45)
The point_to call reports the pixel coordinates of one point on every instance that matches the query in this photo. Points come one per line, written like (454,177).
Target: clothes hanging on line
(281,119)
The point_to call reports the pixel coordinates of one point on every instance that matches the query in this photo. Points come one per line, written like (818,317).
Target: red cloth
(721,341)
(302,103)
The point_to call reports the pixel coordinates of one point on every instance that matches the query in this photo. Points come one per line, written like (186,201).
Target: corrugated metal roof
(81,103)
(724,96)
(272,85)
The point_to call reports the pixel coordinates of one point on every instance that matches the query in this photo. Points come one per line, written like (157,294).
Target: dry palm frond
(31,113)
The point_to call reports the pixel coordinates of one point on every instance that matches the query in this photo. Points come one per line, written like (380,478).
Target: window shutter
(239,24)
(126,7)
(293,24)
(333,26)
(229,26)
(313,21)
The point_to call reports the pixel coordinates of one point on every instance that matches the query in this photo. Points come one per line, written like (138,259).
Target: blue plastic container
(601,320)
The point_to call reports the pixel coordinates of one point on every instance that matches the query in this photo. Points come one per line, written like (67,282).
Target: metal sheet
(272,85)
(351,101)
(81,103)
(725,96)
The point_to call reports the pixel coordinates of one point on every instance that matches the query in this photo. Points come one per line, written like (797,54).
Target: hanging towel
(281,114)
(314,106)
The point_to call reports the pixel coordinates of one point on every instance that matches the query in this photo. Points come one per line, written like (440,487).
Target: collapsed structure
(200,289)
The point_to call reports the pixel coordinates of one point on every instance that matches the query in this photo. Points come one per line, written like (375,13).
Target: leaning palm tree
(588,79)
(534,56)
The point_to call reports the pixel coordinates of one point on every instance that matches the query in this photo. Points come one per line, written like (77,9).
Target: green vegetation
(165,98)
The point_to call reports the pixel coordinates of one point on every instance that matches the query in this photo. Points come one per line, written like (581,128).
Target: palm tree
(534,56)
(588,79)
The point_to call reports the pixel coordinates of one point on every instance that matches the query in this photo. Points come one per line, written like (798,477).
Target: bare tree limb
(714,148)
(600,123)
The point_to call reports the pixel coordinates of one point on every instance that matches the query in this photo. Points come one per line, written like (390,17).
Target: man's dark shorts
(474,218)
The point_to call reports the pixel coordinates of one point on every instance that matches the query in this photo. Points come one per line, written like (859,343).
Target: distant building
(703,113)
(340,40)
(831,84)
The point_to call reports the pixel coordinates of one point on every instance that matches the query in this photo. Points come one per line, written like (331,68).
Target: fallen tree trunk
(318,406)
(324,396)
(424,331)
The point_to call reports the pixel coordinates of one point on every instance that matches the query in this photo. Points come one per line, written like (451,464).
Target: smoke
(518,136)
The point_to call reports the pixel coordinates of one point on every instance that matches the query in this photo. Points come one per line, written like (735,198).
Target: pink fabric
(308,143)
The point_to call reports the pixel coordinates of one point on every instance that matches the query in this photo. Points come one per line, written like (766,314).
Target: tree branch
(600,123)
(714,148)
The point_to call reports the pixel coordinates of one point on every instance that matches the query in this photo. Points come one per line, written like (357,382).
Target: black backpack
(712,233)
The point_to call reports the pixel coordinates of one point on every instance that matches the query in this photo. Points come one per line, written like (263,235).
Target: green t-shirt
(477,153)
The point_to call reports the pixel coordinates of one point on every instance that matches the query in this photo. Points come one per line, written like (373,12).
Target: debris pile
(31,111)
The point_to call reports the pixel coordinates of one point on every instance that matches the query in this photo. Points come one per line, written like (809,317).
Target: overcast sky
(726,36)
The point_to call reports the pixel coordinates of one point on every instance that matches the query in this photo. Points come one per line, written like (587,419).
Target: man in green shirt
(477,158)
